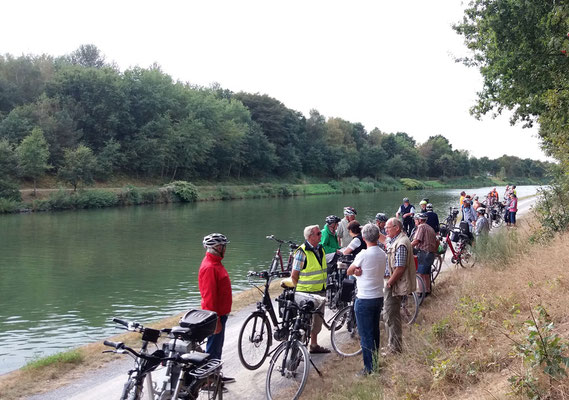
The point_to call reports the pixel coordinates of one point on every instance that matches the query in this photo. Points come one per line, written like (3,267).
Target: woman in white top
(369,268)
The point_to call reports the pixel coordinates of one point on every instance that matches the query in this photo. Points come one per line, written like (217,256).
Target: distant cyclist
(513,209)
(357,244)
(344,237)
(432,218)
(482,224)
(329,239)
(380,221)
(406,211)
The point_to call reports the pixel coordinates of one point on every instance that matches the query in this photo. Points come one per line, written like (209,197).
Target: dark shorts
(425,262)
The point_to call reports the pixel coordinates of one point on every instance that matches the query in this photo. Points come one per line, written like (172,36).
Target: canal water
(63,276)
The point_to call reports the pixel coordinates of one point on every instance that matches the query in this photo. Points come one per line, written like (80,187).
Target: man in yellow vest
(309,273)
(401,282)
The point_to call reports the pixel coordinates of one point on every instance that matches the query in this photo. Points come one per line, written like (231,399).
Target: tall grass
(68,357)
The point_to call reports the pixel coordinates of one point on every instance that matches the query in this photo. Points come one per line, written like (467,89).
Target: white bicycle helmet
(214,239)
(350,211)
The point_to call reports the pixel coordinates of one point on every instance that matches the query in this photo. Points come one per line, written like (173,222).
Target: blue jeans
(368,312)
(215,341)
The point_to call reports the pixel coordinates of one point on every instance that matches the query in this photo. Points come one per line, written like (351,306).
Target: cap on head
(405,199)
(423,202)
(214,239)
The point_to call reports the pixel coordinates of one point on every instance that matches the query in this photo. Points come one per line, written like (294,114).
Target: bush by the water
(9,190)
(185,191)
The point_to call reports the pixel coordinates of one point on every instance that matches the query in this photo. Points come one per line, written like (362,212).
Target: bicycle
(199,377)
(190,373)
(289,367)
(256,337)
(452,216)
(278,259)
(463,254)
(441,253)
(497,215)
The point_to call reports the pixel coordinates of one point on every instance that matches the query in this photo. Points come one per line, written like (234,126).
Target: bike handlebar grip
(116,345)
(120,321)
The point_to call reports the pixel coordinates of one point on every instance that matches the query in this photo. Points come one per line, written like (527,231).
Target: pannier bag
(443,230)
(454,235)
(347,291)
(464,229)
(201,323)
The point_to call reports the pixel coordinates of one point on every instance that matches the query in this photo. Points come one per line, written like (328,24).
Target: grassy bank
(180,191)
(498,331)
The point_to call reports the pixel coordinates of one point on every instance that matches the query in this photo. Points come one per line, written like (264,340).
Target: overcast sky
(386,64)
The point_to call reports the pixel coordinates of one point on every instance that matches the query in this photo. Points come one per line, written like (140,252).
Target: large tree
(33,154)
(520,48)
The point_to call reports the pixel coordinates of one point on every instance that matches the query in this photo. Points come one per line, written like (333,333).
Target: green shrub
(9,190)
(8,206)
(185,191)
(130,195)
(95,199)
(335,185)
(60,200)
(412,184)
(151,196)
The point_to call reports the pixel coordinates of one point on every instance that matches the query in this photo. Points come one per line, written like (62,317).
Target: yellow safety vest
(313,277)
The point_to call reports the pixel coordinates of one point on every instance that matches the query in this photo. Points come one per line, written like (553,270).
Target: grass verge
(479,336)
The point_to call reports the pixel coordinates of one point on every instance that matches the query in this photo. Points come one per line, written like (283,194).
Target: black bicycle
(256,337)
(190,375)
(289,367)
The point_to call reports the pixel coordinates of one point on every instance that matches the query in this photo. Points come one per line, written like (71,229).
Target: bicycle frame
(278,259)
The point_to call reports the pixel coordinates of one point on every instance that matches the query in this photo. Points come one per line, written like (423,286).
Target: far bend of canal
(64,275)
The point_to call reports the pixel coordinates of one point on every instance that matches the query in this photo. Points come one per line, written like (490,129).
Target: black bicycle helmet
(429,207)
(381,217)
(350,211)
(332,219)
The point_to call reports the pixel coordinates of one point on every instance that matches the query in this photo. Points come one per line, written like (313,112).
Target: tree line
(79,117)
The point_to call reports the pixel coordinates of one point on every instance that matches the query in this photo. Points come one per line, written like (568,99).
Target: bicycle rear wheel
(409,308)
(436,267)
(210,388)
(288,371)
(421,291)
(344,336)
(254,340)
(467,258)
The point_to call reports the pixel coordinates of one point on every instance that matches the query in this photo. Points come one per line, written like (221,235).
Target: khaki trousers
(392,307)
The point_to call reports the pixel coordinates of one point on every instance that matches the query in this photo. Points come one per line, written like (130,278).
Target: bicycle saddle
(194,357)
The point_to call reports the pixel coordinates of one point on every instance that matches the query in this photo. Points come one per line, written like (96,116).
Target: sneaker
(227,379)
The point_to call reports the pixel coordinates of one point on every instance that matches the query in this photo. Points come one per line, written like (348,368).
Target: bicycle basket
(454,235)
(201,323)
(150,335)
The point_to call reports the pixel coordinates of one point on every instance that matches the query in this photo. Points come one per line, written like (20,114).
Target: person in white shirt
(369,268)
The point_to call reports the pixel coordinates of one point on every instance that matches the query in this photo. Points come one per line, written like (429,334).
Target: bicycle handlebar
(116,345)
(289,242)
(267,275)
(120,321)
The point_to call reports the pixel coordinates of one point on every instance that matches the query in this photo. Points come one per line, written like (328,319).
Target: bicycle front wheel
(253,342)
(409,308)
(132,390)
(288,371)
(345,337)
(467,258)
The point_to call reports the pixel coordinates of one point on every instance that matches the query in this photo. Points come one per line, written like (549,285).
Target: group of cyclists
(383,265)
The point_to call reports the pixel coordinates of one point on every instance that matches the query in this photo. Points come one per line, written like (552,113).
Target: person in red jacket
(215,289)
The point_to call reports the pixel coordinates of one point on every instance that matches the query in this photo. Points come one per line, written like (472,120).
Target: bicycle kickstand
(317,370)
